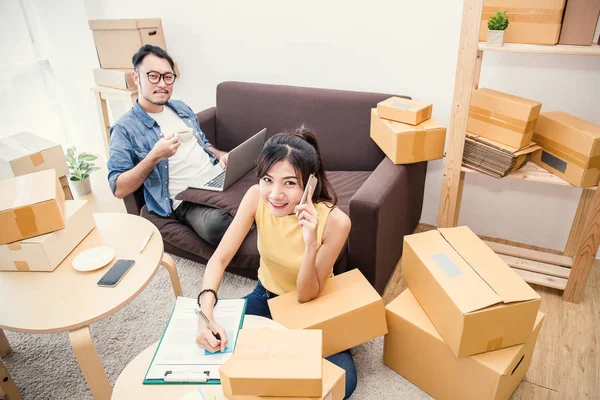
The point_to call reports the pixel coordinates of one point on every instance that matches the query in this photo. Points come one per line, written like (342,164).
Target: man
(159,144)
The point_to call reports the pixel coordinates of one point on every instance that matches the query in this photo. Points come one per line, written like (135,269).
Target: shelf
(531,172)
(593,50)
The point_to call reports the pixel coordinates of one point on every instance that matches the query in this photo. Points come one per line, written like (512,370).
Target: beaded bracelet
(208,290)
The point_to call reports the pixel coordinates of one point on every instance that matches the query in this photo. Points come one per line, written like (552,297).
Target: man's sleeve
(121,155)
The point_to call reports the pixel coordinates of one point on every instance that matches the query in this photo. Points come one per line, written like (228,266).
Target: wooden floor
(566,362)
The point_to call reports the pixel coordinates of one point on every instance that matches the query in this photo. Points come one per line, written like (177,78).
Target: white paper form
(178,350)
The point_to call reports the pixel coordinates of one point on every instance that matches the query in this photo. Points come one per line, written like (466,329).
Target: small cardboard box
(64,182)
(274,362)
(579,23)
(117,40)
(46,252)
(570,148)
(31,205)
(24,153)
(334,386)
(407,144)
(476,301)
(403,110)
(530,21)
(502,117)
(348,310)
(414,349)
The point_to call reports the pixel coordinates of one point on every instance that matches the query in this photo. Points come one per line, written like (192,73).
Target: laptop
(240,161)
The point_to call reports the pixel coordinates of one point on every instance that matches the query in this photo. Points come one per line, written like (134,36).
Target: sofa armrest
(135,201)
(384,209)
(207,119)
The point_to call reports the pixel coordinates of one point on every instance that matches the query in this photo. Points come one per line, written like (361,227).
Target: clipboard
(200,374)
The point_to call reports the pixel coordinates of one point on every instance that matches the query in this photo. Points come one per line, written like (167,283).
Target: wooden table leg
(7,386)
(4,345)
(90,363)
(169,264)
(586,253)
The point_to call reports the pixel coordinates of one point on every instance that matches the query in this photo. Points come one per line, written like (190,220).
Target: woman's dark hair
(299,148)
(138,57)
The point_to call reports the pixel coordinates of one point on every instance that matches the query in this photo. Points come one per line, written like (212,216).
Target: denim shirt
(131,139)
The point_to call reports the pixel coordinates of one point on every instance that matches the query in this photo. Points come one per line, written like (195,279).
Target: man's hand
(223,160)
(165,147)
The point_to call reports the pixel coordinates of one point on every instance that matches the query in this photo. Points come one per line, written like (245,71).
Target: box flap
(505,282)
(399,127)
(112,24)
(23,144)
(146,23)
(407,307)
(28,189)
(405,104)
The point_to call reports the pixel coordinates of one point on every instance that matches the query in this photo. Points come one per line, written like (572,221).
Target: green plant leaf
(86,157)
(70,152)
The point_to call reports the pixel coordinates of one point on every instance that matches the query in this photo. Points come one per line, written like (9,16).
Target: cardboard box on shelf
(502,117)
(64,182)
(476,301)
(403,110)
(117,40)
(24,153)
(348,310)
(274,362)
(407,144)
(414,349)
(530,21)
(120,78)
(31,205)
(46,252)
(579,22)
(570,148)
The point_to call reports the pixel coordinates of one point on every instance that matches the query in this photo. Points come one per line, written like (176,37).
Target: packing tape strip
(418,147)
(565,153)
(494,344)
(37,159)
(526,15)
(14,246)
(26,222)
(447,265)
(22,266)
(501,120)
(23,190)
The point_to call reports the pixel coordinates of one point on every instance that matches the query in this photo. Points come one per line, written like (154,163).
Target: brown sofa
(383,200)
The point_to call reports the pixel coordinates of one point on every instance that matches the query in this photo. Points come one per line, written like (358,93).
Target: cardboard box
(570,148)
(403,110)
(502,117)
(407,144)
(64,182)
(348,310)
(46,252)
(530,21)
(579,22)
(476,301)
(414,349)
(117,40)
(24,153)
(334,386)
(120,78)
(274,362)
(31,205)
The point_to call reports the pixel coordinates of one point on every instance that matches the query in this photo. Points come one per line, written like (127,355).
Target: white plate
(94,258)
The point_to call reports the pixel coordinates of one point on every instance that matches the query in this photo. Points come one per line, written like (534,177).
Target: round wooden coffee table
(129,383)
(69,300)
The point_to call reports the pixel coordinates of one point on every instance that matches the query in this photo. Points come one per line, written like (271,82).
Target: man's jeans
(257,305)
(209,223)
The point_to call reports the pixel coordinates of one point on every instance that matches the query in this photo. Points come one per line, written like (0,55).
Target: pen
(208,324)
(146,241)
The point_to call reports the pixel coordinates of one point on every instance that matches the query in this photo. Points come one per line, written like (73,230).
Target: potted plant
(497,24)
(80,167)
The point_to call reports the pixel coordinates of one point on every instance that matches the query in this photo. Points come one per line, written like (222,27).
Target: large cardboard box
(274,362)
(502,117)
(414,349)
(530,21)
(407,144)
(334,386)
(570,148)
(46,252)
(31,205)
(348,310)
(117,40)
(476,301)
(403,110)
(579,22)
(24,153)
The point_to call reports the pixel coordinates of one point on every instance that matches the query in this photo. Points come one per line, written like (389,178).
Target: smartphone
(116,273)
(312,182)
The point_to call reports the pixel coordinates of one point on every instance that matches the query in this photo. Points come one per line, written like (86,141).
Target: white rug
(44,366)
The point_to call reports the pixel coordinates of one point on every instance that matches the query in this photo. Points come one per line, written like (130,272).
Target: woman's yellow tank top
(281,246)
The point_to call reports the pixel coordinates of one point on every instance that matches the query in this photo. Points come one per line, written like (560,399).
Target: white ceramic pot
(82,187)
(495,38)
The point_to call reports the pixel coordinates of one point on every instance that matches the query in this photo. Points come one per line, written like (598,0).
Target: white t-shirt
(189,160)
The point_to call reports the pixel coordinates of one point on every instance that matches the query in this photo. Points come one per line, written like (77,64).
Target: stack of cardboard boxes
(405,131)
(39,227)
(467,325)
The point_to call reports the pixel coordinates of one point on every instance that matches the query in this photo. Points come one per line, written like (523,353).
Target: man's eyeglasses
(155,77)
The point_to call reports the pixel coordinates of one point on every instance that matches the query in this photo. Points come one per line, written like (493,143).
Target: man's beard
(156,103)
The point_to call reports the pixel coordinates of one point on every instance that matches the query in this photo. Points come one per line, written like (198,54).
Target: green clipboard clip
(186,376)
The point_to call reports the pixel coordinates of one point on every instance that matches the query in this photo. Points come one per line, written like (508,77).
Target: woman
(296,252)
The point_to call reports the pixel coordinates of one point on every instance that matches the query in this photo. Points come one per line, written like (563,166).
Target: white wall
(388,46)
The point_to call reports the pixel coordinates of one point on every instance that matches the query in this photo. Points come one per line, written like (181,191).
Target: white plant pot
(82,187)
(495,38)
